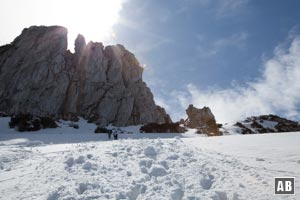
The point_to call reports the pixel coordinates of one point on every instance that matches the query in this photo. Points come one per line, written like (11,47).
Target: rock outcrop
(26,122)
(203,120)
(39,76)
(266,124)
(163,128)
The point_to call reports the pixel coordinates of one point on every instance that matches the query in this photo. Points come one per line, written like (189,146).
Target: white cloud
(277,91)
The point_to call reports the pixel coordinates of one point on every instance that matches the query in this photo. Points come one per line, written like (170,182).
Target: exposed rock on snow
(102,130)
(26,122)
(163,128)
(202,119)
(104,84)
(266,124)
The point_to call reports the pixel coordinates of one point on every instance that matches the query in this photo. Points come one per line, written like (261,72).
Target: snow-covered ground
(67,163)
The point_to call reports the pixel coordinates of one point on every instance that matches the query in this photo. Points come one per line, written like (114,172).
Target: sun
(93,19)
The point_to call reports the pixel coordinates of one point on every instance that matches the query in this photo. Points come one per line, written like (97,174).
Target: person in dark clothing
(109,134)
(115,133)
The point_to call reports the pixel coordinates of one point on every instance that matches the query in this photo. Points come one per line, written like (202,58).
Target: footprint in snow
(158,170)
(80,160)
(206,181)
(173,157)
(150,151)
(220,195)
(177,194)
(70,162)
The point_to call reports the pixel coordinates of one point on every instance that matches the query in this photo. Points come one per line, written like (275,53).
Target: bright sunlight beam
(92,18)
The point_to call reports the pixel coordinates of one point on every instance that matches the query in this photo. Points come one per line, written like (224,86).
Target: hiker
(109,134)
(115,133)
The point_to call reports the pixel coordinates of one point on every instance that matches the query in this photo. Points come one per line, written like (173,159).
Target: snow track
(137,169)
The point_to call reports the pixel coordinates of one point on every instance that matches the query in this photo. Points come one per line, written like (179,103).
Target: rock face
(38,76)
(266,124)
(202,119)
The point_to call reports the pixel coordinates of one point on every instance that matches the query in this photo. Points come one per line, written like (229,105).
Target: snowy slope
(176,167)
(65,134)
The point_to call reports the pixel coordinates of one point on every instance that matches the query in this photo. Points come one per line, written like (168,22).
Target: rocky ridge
(266,124)
(39,76)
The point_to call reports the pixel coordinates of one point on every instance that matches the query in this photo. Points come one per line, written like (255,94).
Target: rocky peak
(201,119)
(80,45)
(39,76)
(266,124)
(201,114)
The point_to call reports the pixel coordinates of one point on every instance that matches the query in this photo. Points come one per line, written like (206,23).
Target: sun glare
(92,18)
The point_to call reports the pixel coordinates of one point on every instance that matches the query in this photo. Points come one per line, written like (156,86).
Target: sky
(239,57)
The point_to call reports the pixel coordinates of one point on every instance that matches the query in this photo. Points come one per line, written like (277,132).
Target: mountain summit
(39,76)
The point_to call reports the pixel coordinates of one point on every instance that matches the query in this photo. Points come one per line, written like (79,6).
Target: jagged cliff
(39,76)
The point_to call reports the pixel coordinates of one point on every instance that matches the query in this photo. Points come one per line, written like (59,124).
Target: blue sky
(212,46)
(239,57)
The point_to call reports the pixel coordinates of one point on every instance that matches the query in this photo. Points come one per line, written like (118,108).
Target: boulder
(27,122)
(203,120)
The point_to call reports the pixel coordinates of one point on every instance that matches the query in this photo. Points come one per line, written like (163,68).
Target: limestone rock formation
(202,119)
(39,76)
(266,124)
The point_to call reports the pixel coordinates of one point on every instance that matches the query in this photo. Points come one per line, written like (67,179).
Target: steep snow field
(67,163)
